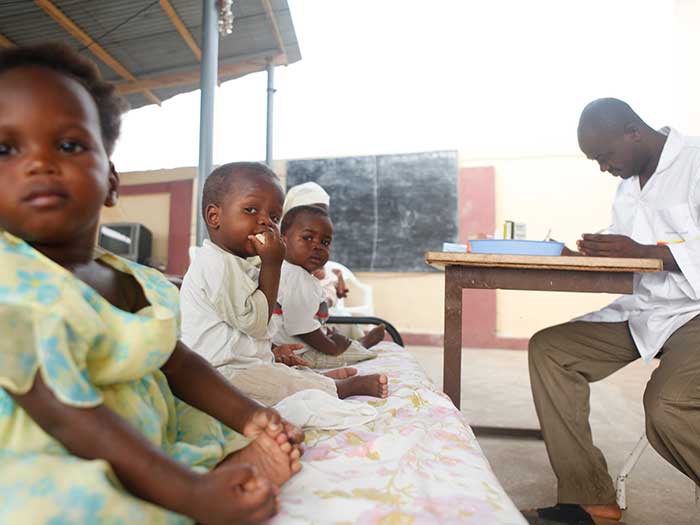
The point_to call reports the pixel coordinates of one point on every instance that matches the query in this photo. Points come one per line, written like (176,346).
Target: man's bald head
(608,117)
(612,134)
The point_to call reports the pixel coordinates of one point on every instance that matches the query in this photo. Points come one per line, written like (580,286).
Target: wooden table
(521,272)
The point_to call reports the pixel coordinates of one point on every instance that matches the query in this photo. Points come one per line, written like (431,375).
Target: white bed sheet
(417,463)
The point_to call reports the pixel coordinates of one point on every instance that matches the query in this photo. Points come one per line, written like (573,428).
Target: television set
(130,240)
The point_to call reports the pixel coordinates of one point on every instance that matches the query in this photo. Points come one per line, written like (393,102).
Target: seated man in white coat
(655,215)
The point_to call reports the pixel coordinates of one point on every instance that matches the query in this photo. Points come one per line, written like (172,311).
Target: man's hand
(566,251)
(603,245)
(285,354)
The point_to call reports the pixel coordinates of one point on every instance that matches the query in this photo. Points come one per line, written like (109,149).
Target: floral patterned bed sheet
(417,463)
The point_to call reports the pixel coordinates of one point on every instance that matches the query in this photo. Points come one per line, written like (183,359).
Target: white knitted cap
(304,195)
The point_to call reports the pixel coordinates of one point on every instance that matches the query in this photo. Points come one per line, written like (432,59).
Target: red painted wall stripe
(477,214)
(180,223)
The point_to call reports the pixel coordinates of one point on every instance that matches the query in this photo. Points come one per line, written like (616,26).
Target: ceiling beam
(5,42)
(275,29)
(192,77)
(181,28)
(70,26)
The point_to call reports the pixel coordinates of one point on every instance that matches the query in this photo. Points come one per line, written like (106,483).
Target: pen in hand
(579,244)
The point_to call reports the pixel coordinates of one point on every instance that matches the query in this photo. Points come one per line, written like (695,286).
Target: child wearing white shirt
(229,291)
(301,309)
(312,194)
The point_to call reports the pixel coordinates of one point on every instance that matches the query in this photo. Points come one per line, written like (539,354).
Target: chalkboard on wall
(387,210)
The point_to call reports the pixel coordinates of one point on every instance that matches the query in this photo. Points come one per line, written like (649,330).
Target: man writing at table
(655,215)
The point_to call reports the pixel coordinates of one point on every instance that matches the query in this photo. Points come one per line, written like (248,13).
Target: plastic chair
(347,319)
(193,253)
(632,460)
(367,307)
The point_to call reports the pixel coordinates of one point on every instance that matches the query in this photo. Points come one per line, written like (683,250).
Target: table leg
(452,356)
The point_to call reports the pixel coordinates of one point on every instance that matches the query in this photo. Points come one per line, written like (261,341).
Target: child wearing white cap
(332,282)
(301,311)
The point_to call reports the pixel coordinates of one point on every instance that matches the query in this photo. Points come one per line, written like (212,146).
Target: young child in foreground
(229,291)
(105,417)
(301,309)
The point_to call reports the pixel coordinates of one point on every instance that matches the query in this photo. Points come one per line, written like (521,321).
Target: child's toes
(384,384)
(295,466)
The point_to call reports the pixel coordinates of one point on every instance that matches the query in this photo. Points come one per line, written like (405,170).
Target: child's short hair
(220,182)
(63,59)
(295,212)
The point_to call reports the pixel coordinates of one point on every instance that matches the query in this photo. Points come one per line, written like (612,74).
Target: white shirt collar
(672,148)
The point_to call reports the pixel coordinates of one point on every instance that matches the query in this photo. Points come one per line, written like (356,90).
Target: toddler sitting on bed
(301,309)
(230,289)
(105,417)
(332,282)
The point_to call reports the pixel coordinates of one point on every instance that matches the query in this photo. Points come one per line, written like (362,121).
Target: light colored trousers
(354,354)
(564,359)
(271,383)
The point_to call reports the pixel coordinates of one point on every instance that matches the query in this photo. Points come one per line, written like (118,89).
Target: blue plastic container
(515,247)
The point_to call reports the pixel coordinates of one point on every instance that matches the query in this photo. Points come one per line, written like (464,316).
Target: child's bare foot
(374,336)
(273,461)
(341,373)
(375,385)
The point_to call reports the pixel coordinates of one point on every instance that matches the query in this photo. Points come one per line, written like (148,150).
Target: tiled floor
(496,391)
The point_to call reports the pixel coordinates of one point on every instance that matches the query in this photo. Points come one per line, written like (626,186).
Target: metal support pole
(270,97)
(207,86)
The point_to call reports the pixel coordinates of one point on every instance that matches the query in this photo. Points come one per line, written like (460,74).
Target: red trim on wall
(418,339)
(477,215)
(180,192)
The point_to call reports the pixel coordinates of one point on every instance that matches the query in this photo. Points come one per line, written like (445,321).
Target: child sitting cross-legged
(331,279)
(105,417)
(301,309)
(229,292)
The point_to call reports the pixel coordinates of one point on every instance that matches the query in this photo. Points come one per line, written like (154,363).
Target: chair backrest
(367,306)
(193,253)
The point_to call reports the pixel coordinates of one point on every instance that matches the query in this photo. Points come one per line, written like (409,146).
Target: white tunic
(224,314)
(301,306)
(667,210)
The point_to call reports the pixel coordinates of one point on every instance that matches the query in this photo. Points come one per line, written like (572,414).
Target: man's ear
(212,216)
(113,191)
(633,132)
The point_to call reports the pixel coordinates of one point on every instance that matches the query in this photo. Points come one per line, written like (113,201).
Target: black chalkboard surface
(387,210)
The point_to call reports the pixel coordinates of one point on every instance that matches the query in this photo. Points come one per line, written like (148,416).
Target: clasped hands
(607,245)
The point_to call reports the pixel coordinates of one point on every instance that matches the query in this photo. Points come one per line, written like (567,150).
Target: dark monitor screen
(117,239)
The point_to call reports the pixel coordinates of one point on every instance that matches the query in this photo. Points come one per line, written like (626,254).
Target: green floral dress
(89,353)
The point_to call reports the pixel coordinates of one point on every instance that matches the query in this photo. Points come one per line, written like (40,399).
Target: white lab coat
(666,210)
